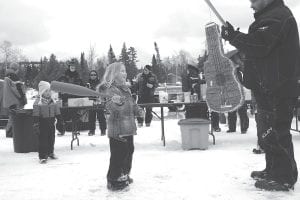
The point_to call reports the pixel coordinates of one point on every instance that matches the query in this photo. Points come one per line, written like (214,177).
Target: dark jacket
(272,51)
(191,81)
(146,94)
(92,84)
(70,77)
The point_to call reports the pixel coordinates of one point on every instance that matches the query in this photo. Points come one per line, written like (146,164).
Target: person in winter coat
(146,84)
(13,94)
(73,77)
(121,125)
(272,52)
(92,84)
(45,110)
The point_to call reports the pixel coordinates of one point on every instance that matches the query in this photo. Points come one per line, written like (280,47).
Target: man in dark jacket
(92,84)
(146,84)
(70,76)
(271,68)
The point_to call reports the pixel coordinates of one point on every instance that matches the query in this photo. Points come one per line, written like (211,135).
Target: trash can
(24,139)
(194,133)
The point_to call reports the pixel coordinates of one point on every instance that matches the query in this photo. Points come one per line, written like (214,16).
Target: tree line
(168,69)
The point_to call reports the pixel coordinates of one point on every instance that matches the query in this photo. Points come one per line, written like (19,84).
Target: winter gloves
(228,33)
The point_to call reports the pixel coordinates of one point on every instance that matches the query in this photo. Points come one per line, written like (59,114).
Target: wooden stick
(216,12)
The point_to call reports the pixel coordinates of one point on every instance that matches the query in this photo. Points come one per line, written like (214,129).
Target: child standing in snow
(44,112)
(121,125)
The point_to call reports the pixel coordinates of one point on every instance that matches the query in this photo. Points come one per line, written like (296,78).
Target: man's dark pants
(279,152)
(101,119)
(244,120)
(148,113)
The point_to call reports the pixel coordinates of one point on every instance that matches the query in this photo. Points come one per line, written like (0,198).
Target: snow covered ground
(159,173)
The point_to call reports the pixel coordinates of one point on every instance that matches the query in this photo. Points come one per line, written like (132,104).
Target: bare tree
(9,53)
(92,57)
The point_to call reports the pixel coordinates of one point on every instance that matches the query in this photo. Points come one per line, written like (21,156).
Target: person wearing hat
(73,77)
(93,82)
(146,84)
(45,110)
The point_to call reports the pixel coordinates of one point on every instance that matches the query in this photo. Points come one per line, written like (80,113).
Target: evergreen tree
(132,68)
(155,67)
(50,70)
(83,68)
(162,71)
(124,57)
(111,55)
(31,71)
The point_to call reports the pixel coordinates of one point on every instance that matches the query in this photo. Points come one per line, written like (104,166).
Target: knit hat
(71,63)
(148,67)
(43,86)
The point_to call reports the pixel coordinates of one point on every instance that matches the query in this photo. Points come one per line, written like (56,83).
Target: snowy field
(159,173)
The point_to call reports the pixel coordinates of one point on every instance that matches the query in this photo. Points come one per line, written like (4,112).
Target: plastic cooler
(194,133)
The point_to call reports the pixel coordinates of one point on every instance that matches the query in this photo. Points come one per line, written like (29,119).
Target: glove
(228,33)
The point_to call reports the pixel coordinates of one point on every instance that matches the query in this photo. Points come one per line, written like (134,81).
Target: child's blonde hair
(111,72)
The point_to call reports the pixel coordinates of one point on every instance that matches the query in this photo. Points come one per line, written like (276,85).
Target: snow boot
(117,185)
(43,161)
(52,156)
(272,185)
(91,133)
(103,132)
(217,129)
(121,183)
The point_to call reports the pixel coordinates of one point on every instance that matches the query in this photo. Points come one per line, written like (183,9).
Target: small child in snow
(44,112)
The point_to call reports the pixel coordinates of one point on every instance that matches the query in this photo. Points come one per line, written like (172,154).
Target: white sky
(68,27)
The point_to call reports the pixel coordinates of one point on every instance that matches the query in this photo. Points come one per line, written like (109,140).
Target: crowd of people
(267,62)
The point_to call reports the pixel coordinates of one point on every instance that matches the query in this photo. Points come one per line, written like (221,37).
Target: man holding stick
(271,67)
